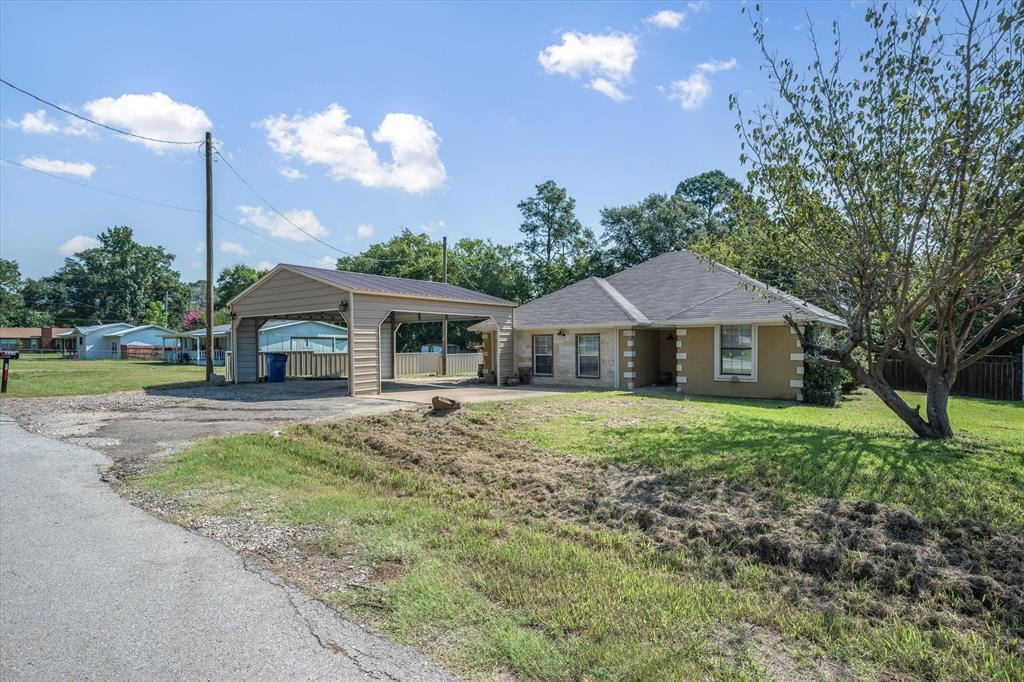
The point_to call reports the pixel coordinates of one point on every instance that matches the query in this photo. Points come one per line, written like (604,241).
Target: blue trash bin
(275,366)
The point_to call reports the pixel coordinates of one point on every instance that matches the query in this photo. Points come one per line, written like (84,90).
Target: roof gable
(363,283)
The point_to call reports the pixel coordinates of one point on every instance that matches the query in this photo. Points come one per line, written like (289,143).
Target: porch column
(629,358)
(680,359)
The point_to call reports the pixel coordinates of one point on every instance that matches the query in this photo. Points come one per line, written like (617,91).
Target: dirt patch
(861,558)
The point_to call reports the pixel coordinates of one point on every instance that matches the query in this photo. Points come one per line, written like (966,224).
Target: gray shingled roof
(379,284)
(585,302)
(676,287)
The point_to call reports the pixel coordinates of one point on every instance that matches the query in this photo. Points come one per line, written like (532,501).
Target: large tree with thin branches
(900,180)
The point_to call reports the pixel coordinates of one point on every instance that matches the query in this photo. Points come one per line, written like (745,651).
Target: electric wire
(157,203)
(96,123)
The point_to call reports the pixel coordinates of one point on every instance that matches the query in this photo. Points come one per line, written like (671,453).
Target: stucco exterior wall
(565,357)
(779,365)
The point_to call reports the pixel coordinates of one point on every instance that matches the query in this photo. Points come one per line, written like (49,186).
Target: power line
(157,203)
(95,123)
(290,222)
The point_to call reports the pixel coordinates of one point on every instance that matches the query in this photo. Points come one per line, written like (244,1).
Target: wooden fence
(997,377)
(142,352)
(410,364)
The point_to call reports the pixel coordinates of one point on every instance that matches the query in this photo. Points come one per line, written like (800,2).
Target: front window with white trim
(736,352)
(588,356)
(544,355)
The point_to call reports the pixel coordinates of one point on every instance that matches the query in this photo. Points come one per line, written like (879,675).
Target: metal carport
(371,306)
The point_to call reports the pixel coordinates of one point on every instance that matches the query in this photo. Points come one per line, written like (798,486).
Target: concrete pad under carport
(422,391)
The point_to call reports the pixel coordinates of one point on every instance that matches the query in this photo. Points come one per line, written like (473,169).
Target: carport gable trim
(362,292)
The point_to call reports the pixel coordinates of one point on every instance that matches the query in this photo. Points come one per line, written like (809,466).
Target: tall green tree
(12,305)
(558,248)
(155,314)
(653,226)
(714,195)
(234,280)
(902,189)
(115,281)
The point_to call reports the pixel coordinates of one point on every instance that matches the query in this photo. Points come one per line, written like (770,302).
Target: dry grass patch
(592,537)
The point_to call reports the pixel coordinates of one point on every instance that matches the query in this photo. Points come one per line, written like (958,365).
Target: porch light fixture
(670,337)
(561,332)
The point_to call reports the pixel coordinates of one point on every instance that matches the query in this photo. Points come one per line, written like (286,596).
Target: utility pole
(209,257)
(444,324)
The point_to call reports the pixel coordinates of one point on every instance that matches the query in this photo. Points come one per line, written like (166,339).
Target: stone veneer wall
(565,357)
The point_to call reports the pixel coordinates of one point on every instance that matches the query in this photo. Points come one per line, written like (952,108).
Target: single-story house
(31,338)
(309,335)
(274,336)
(677,320)
(105,341)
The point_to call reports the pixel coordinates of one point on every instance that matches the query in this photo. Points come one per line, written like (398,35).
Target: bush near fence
(997,377)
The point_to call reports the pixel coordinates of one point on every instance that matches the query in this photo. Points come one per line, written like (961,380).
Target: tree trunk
(936,426)
(938,405)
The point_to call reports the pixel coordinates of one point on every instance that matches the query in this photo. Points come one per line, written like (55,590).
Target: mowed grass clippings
(48,376)
(504,539)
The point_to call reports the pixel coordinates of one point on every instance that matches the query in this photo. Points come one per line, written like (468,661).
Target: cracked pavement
(92,587)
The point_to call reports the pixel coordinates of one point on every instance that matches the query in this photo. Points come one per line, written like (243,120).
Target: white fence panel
(305,364)
(411,364)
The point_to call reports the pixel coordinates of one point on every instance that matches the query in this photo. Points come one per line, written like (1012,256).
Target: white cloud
(607,60)
(666,18)
(432,226)
(364,231)
(233,247)
(77,244)
(37,123)
(606,87)
(154,115)
(714,66)
(276,226)
(698,6)
(327,138)
(264,265)
(200,247)
(292,173)
(196,265)
(695,89)
(329,262)
(34,122)
(82,169)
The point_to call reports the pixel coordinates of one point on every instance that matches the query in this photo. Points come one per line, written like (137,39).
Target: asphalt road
(93,588)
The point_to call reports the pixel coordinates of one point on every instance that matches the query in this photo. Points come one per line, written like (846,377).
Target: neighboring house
(92,342)
(136,341)
(676,319)
(107,341)
(311,335)
(32,338)
(274,336)
(193,345)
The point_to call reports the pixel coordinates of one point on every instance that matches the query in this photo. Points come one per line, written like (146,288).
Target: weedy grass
(46,376)
(490,590)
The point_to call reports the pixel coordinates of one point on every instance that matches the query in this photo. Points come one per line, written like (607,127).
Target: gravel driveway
(138,424)
(93,588)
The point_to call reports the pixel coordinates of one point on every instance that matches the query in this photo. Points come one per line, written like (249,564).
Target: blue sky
(437,117)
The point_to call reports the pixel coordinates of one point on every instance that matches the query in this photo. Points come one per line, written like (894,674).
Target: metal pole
(209,257)
(444,324)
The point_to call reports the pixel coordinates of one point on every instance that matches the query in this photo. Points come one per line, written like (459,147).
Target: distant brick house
(32,338)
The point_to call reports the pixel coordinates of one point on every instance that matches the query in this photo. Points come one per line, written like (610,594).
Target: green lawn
(44,376)
(615,537)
